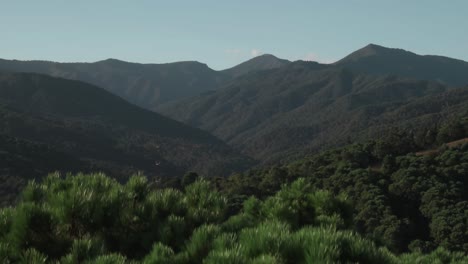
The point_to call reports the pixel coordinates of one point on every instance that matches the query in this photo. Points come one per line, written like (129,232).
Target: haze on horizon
(225,34)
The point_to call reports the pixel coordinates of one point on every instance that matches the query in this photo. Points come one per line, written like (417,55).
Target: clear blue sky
(224,33)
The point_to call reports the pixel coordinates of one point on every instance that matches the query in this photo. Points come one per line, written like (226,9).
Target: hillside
(376,59)
(405,200)
(304,107)
(327,208)
(23,160)
(98,131)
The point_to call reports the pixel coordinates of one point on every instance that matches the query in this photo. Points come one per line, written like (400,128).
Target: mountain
(85,128)
(303,107)
(151,85)
(258,105)
(262,62)
(376,59)
(145,85)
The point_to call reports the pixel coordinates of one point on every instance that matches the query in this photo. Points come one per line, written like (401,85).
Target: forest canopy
(94,219)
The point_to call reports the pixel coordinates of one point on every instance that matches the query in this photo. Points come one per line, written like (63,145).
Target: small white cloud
(255,52)
(310,57)
(314,57)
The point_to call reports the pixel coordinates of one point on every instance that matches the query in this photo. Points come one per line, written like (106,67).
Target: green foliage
(33,256)
(298,205)
(83,250)
(200,243)
(160,254)
(399,199)
(94,219)
(439,255)
(109,259)
(204,205)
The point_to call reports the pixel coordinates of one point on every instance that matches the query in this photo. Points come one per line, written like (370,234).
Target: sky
(224,33)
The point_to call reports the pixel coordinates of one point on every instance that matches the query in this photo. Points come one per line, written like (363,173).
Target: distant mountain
(89,129)
(146,85)
(303,107)
(376,59)
(151,85)
(262,62)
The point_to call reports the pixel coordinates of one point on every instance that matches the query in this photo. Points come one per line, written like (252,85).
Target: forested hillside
(304,107)
(53,124)
(408,191)
(377,202)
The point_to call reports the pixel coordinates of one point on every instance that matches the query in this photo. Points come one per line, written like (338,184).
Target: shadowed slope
(100,131)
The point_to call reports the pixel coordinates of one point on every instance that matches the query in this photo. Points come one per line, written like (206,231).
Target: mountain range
(302,107)
(146,85)
(151,85)
(107,115)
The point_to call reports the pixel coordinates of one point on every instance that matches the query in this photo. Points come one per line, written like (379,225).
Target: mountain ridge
(150,85)
(144,84)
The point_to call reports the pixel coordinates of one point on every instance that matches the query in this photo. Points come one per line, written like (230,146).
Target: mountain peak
(374,46)
(372,50)
(112,61)
(369,50)
(258,63)
(379,60)
(267,55)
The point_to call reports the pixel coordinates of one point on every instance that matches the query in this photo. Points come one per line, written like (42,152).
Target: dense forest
(393,200)
(408,198)
(94,219)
